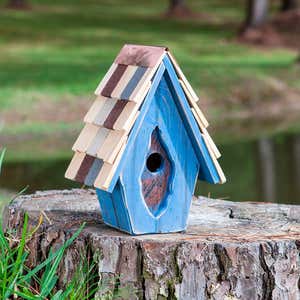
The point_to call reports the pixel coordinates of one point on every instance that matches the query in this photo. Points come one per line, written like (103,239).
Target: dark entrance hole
(154,162)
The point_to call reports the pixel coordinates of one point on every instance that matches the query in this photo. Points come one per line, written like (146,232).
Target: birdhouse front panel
(145,143)
(172,172)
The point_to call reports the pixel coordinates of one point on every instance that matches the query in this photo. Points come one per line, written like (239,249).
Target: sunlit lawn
(64,47)
(59,50)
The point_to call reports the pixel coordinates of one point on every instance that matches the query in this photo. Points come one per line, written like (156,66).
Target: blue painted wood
(114,208)
(208,168)
(137,125)
(121,209)
(162,113)
(107,208)
(93,172)
(133,82)
(156,174)
(165,110)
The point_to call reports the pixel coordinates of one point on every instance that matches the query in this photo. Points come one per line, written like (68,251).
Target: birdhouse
(145,144)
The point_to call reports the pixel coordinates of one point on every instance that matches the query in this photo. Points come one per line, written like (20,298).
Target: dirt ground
(283,30)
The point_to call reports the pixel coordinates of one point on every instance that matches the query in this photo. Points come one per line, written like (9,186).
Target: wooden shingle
(120,96)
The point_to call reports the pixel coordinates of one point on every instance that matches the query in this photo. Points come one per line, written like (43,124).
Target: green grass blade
(3,241)
(51,274)
(2,157)
(20,193)
(51,257)
(17,270)
(26,295)
(58,296)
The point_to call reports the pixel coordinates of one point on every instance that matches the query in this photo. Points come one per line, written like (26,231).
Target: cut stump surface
(230,250)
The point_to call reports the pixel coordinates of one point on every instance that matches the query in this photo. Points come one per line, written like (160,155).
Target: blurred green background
(54,53)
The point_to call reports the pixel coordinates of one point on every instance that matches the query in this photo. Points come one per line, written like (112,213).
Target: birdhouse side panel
(208,170)
(113,208)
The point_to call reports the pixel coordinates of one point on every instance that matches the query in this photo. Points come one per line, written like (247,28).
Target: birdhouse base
(230,250)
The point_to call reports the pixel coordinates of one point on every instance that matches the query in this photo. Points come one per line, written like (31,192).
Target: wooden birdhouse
(145,143)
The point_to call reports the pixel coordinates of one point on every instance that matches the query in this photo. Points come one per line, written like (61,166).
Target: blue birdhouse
(145,144)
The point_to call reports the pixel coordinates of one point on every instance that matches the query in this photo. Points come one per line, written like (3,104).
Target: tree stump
(230,250)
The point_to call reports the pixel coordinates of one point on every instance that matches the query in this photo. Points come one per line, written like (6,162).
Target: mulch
(283,30)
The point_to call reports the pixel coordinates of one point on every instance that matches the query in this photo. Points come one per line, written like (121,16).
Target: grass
(56,53)
(18,280)
(21,282)
(63,48)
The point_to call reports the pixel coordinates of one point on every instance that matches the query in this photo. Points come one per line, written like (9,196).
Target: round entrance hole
(154,162)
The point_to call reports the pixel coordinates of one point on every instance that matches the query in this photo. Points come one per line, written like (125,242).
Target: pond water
(267,169)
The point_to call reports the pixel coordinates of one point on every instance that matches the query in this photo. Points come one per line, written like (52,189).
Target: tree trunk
(266,169)
(178,8)
(17,4)
(257,13)
(174,4)
(289,5)
(230,250)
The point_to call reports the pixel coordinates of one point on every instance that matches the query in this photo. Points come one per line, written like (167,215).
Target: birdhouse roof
(120,97)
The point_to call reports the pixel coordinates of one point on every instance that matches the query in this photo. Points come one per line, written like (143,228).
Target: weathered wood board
(229,251)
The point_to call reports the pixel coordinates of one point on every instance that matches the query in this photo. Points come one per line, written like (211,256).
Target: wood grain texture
(182,76)
(113,80)
(131,121)
(213,146)
(113,204)
(107,171)
(74,165)
(196,116)
(215,161)
(123,82)
(115,113)
(97,141)
(170,215)
(126,117)
(230,250)
(135,128)
(137,55)
(84,168)
(85,137)
(105,79)
(93,172)
(136,82)
(202,121)
(94,109)
(136,78)
(112,145)
(155,184)
(138,94)
(105,110)
(208,171)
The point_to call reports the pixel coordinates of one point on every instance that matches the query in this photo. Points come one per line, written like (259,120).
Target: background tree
(178,8)
(19,4)
(257,13)
(290,5)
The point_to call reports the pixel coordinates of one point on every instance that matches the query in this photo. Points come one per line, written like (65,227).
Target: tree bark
(230,250)
(257,13)
(290,5)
